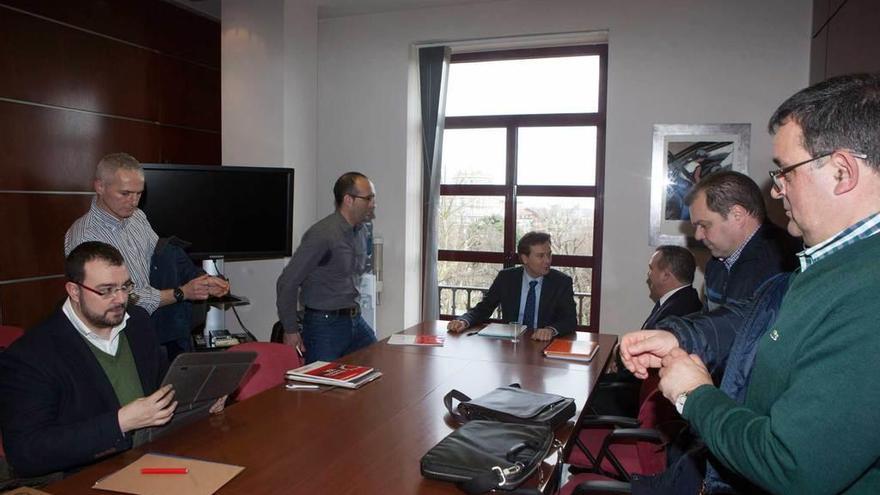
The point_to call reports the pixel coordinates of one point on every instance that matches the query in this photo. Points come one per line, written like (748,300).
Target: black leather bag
(487,455)
(512,404)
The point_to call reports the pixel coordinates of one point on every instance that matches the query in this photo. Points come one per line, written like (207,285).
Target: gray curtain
(433,71)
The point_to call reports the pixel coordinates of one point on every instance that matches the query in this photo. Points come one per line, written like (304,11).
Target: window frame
(510,190)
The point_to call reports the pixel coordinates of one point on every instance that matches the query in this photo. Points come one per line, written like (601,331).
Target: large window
(523,150)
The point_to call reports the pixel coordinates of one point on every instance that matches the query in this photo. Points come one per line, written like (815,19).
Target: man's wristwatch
(178,295)
(679,402)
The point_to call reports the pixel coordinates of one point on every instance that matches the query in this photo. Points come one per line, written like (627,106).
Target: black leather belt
(351,312)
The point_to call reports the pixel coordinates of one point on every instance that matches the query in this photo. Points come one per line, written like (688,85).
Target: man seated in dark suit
(670,275)
(82,385)
(533,294)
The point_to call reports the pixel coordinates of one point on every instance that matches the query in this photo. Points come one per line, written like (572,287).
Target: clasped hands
(680,372)
(203,286)
(456,326)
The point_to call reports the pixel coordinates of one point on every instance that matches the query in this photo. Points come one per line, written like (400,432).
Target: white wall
(675,61)
(269,105)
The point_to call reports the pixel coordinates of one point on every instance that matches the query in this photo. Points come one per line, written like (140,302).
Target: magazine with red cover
(337,374)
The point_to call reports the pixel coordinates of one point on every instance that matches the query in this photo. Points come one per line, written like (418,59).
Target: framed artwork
(682,155)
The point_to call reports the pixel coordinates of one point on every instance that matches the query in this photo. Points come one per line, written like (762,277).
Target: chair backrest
(658,413)
(8,335)
(268,370)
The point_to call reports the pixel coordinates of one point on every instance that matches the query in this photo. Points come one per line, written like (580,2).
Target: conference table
(370,440)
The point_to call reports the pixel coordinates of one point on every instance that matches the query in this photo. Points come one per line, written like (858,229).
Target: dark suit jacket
(555,309)
(58,409)
(683,302)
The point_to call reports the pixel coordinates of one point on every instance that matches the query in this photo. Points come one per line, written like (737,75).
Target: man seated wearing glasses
(794,412)
(729,217)
(83,384)
(163,275)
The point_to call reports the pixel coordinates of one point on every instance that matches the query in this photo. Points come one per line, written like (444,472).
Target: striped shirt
(850,235)
(132,236)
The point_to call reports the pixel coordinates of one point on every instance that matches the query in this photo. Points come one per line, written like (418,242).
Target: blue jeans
(329,337)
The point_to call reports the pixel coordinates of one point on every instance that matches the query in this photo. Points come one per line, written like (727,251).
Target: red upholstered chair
(8,335)
(613,447)
(268,370)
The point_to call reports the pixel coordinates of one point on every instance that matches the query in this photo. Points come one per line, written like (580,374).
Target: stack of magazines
(334,374)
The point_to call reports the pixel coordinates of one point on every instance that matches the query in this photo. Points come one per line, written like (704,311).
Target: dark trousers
(328,337)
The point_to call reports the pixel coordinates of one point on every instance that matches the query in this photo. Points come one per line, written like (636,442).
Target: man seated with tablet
(533,294)
(84,384)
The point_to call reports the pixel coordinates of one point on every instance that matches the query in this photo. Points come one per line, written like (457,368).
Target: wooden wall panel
(155,24)
(189,95)
(37,223)
(48,63)
(80,80)
(24,304)
(189,146)
(854,39)
(182,34)
(47,149)
(124,20)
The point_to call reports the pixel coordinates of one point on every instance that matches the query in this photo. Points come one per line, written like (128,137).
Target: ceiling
(338,8)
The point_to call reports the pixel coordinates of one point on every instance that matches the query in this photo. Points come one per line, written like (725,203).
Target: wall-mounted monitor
(234,212)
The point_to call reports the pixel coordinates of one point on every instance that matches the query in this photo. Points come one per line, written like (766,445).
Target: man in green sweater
(803,417)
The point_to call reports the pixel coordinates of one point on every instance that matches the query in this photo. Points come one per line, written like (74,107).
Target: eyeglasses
(109,292)
(777,174)
(369,198)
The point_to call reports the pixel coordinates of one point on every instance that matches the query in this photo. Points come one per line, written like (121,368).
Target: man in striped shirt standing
(114,218)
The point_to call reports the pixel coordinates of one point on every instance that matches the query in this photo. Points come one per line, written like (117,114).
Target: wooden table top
(366,441)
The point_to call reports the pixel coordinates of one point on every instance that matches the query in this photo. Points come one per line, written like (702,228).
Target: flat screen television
(232,212)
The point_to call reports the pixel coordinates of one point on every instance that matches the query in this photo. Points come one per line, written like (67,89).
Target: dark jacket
(683,302)
(727,340)
(58,409)
(170,267)
(555,309)
(770,251)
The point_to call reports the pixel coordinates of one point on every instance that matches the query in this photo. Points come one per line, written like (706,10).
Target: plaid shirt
(850,235)
(731,260)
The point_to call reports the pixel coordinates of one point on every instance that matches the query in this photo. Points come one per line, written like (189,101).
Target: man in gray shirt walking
(328,265)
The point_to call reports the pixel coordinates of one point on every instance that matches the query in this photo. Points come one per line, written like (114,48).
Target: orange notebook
(577,350)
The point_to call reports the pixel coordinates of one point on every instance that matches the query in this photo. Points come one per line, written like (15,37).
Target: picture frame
(682,154)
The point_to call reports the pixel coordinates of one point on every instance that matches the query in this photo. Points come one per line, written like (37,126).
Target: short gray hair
(108,165)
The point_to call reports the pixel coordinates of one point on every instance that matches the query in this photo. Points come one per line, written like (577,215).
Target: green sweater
(810,422)
(121,370)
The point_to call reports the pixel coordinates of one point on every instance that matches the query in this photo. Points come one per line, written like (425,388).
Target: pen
(296,386)
(164,470)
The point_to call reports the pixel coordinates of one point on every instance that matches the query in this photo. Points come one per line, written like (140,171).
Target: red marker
(164,470)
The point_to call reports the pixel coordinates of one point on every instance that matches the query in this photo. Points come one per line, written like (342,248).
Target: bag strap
(460,397)
(493,478)
(489,481)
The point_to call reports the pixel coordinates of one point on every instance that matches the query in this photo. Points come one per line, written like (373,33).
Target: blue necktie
(529,311)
